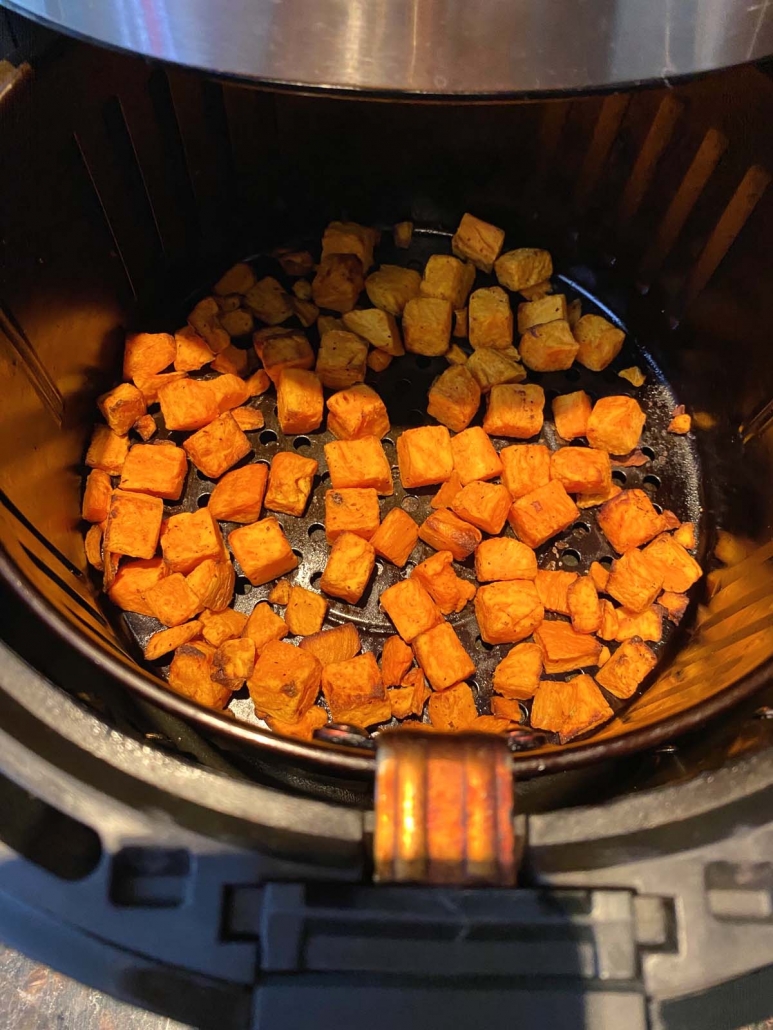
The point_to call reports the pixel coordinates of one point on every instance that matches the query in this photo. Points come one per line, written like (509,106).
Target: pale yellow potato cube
(519,269)
(537,312)
(237,323)
(427,325)
(338,282)
(268,300)
(391,287)
(448,278)
(302,289)
(350,238)
(378,360)
(600,342)
(341,360)
(327,322)
(378,327)
(306,312)
(550,347)
(455,355)
(478,241)
(490,367)
(402,234)
(490,320)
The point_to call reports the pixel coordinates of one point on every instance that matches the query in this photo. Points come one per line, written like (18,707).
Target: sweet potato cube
(596,500)
(564,649)
(191,350)
(145,427)
(342,359)
(282,350)
(122,407)
(402,233)
(635,581)
(449,591)
(190,674)
(338,283)
(230,390)
(427,325)
(675,605)
(96,496)
(447,278)
(508,611)
(349,567)
(268,300)
(300,405)
(514,410)
(132,582)
(238,496)
(306,612)
(150,386)
(569,709)
(490,368)
(550,347)
(581,470)
(158,470)
(629,520)
(92,545)
(544,309)
(490,724)
(234,662)
(240,278)
(351,510)
(410,697)
(447,532)
(280,592)
(145,354)
(294,262)
(188,404)
(600,576)
(504,558)
(289,483)
(604,656)
(262,550)
(525,468)
(600,342)
(333,645)
(442,657)
(350,238)
(485,505)
(167,640)
(424,456)
(584,607)
(478,241)
(218,627)
(625,671)
(205,319)
(396,660)
(303,728)
(133,524)
(264,625)
(680,424)
(410,608)
(378,360)
(453,709)
(218,446)
(685,535)
(248,419)
(474,456)
(553,589)
(285,682)
(615,424)
(518,674)
(454,353)
(354,691)
(454,398)
(677,566)
(490,319)
(570,414)
(213,583)
(378,327)
(447,491)
(232,359)
(355,412)
(506,708)
(610,620)
(172,601)
(391,287)
(396,537)
(517,270)
(190,538)
(647,625)
(540,515)
(359,463)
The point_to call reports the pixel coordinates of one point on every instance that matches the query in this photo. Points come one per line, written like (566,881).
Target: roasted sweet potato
(490,367)
(350,238)
(303,728)
(503,558)
(447,491)
(342,360)
(240,278)
(635,581)
(508,611)
(541,310)
(122,407)
(474,456)
(581,470)
(132,582)
(490,319)
(541,514)
(189,538)
(92,545)
(449,591)
(584,607)
(269,301)
(677,566)
(484,505)
(305,612)
(238,496)
(352,510)
(146,354)
(623,674)
(338,283)
(191,350)
(427,326)
(218,446)
(410,608)
(442,657)
(378,360)
(145,427)
(264,625)
(188,404)
(517,270)
(378,327)
(514,410)
(600,341)
(615,424)
(234,662)
(158,470)
(290,481)
(550,347)
(454,398)
(647,625)
(525,467)
(600,576)
(349,567)
(285,682)
(410,697)
(507,709)
(553,589)
(396,537)
(167,640)
(133,524)
(354,691)
(563,649)
(518,674)
(172,601)
(424,456)
(280,592)
(391,287)
(213,583)
(453,709)
(217,627)
(205,319)
(333,645)
(356,412)
(396,660)
(570,414)
(107,451)
(675,605)
(629,520)
(447,278)
(447,532)
(190,674)
(262,550)
(569,709)
(478,241)
(282,349)
(230,390)
(150,386)
(96,496)
(359,463)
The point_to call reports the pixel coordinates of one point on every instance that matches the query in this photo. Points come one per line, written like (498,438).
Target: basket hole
(410,504)
(648,452)
(409,567)
(570,558)
(658,508)
(422,361)
(415,265)
(619,477)
(481,644)
(652,481)
(315,580)
(243,586)
(316,531)
(202,500)
(404,384)
(387,442)
(298,554)
(379,568)
(580,527)
(550,396)
(301,442)
(607,561)
(572,375)
(268,436)
(416,417)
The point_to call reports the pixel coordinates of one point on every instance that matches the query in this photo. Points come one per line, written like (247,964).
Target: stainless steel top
(428,46)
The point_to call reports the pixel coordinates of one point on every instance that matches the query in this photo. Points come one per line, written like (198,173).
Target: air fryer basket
(130,187)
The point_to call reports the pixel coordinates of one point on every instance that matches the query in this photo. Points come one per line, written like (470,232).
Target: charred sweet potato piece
(600,341)
(354,691)
(553,589)
(478,241)
(514,410)
(150,386)
(677,566)
(285,682)
(449,591)
(190,674)
(289,483)
(675,605)
(294,262)
(474,456)
(484,505)
(581,470)
(218,446)
(189,538)
(234,662)
(333,645)
(305,612)
(490,319)
(623,674)
(525,467)
(145,427)
(490,367)
(550,347)
(635,581)
(205,319)
(542,514)
(262,550)
(410,608)
(167,640)
(396,660)
(410,697)
(396,537)
(600,576)
(615,424)
(122,407)
(541,310)
(447,278)
(427,326)
(338,283)
(506,708)
(359,463)
(453,709)
(569,709)
(447,491)
(188,404)
(584,607)
(158,470)
(96,496)
(238,496)
(378,327)
(304,728)
(352,510)
(107,451)
(132,582)
(442,657)
(283,349)
(218,627)
(446,532)
(454,398)
(264,625)
(647,625)
(629,520)
(508,611)
(356,412)
(504,558)
(391,287)
(350,238)
(518,674)
(349,567)
(133,524)
(230,390)
(213,583)
(563,649)
(424,456)
(570,414)
(172,601)
(145,354)
(610,620)
(523,268)
(191,350)
(269,301)
(342,360)
(280,592)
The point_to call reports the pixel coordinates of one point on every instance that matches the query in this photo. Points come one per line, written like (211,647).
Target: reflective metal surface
(428,46)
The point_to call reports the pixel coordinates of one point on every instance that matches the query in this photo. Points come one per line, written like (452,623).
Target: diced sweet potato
(447,491)
(230,390)
(327,322)
(122,407)
(504,558)
(306,612)
(280,592)
(563,649)
(544,309)
(191,350)
(349,567)
(635,581)
(338,283)
(402,233)
(285,682)
(427,325)
(517,270)
(449,591)
(238,496)
(514,410)
(615,424)
(596,500)
(150,386)
(681,422)
(410,697)
(264,625)
(396,537)
(92,545)
(478,241)
(685,535)
(133,524)
(268,300)
(604,656)
(304,728)
(550,347)
(283,349)
(396,660)
(391,287)
(677,566)
(158,470)
(424,456)
(378,360)
(172,601)
(490,367)
(442,657)
(190,538)
(506,708)
(484,505)
(629,520)
(96,496)
(232,359)
(455,354)
(145,427)
(188,404)
(490,724)
(354,691)
(410,608)
(610,620)
(359,463)
(569,709)
(145,354)
(518,674)
(248,419)
(350,238)
(294,262)
(453,709)
(454,398)
(190,674)
(600,576)
(205,319)
(132,582)
(570,414)
(600,341)
(355,412)
(553,589)
(647,625)
(623,674)
(234,662)
(289,483)
(217,627)
(378,327)
(508,611)
(474,456)
(446,532)
(351,510)
(490,319)
(525,468)
(213,583)
(167,640)
(675,605)
(333,645)
(584,607)
(342,359)
(447,278)
(217,446)
(262,550)
(240,278)
(581,470)
(300,405)
(540,515)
